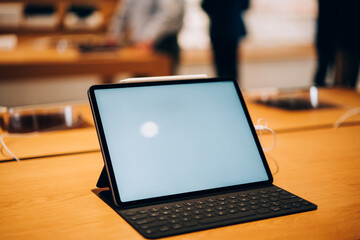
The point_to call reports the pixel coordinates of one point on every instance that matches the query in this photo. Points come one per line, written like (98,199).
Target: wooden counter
(52,198)
(31,63)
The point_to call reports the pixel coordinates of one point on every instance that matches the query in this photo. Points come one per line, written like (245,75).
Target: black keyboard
(208,212)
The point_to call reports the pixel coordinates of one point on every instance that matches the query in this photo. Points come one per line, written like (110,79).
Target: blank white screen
(178,138)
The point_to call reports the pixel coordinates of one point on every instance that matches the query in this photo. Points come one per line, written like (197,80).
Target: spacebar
(227,217)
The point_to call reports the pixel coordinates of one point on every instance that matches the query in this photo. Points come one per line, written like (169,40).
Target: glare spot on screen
(149,129)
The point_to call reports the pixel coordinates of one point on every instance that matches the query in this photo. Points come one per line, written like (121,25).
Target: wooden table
(52,198)
(287,121)
(31,63)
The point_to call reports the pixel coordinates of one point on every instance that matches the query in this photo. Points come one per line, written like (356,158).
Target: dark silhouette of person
(338,42)
(226,29)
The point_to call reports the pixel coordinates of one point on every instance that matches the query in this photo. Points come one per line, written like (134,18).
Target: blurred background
(277,52)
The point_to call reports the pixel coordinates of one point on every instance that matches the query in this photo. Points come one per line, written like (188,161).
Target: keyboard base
(168,219)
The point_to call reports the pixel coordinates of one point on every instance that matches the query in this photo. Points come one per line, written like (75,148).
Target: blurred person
(338,42)
(226,29)
(150,25)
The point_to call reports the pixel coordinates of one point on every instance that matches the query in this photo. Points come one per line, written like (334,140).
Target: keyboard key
(221,208)
(288,196)
(142,211)
(209,215)
(244,209)
(265,205)
(189,208)
(153,225)
(221,198)
(157,224)
(178,210)
(145,221)
(153,214)
(254,207)
(285,206)
(232,211)
(176,226)
(275,209)
(137,217)
(296,205)
(162,218)
(173,221)
(226,217)
(154,209)
(149,231)
(197,212)
(164,229)
(209,210)
(274,198)
(186,214)
(130,213)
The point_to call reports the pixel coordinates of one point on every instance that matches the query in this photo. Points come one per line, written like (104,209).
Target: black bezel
(106,155)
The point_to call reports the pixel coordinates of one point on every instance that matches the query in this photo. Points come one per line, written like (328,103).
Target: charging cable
(345,116)
(24,135)
(260,127)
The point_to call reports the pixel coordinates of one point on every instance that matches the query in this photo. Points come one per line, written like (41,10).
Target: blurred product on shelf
(83,17)
(40,16)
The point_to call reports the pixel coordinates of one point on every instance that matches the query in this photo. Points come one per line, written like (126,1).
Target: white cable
(345,116)
(16,136)
(259,127)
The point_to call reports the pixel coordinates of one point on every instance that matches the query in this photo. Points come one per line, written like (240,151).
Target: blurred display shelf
(19,27)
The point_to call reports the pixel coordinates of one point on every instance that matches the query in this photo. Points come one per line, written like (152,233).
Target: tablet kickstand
(103,179)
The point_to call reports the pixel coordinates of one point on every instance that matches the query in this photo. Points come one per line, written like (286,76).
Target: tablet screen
(178,138)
